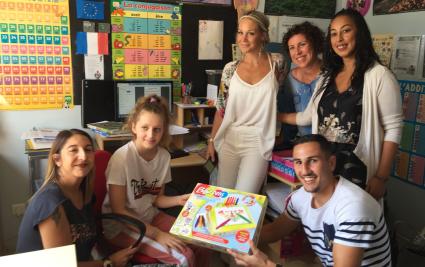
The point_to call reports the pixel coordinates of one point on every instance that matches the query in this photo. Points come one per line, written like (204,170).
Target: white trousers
(240,164)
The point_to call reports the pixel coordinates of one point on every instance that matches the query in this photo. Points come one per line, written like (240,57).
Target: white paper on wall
(285,22)
(210,43)
(274,29)
(94,67)
(405,60)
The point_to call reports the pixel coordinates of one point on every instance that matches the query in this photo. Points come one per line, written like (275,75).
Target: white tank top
(252,105)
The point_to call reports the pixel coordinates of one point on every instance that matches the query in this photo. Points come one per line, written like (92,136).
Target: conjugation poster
(410,159)
(35,55)
(146,41)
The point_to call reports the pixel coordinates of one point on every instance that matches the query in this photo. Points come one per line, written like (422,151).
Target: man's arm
(279,228)
(346,256)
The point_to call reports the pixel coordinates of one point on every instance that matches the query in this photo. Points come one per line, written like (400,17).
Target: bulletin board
(194,69)
(146,41)
(35,61)
(410,159)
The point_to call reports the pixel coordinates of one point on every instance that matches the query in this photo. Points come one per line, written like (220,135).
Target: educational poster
(35,55)
(383,7)
(383,45)
(301,8)
(405,61)
(146,41)
(210,41)
(410,159)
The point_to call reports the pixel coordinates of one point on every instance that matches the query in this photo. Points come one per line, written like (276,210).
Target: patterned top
(223,92)
(340,115)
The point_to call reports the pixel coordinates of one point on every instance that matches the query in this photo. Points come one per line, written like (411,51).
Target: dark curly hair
(364,52)
(312,33)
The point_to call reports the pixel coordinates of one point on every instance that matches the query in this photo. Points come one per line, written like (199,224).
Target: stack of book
(109,128)
(40,138)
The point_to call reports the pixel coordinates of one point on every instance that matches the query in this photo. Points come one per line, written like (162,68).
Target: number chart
(35,55)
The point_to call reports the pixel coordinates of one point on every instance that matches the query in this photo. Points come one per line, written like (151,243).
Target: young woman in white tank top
(244,125)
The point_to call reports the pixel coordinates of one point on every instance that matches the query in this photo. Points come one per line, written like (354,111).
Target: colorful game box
(221,218)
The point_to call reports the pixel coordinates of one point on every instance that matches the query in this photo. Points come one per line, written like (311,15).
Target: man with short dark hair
(344,224)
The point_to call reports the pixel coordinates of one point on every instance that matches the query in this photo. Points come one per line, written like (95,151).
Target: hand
(376,187)
(257,259)
(121,257)
(181,200)
(211,151)
(169,242)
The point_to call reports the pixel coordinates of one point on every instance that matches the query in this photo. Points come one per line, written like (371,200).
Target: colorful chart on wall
(35,61)
(146,41)
(410,159)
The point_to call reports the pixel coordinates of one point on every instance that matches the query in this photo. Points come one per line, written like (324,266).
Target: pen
(243,217)
(222,224)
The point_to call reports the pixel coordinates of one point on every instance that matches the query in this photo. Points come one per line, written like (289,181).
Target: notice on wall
(383,45)
(35,55)
(405,61)
(210,42)
(410,159)
(146,41)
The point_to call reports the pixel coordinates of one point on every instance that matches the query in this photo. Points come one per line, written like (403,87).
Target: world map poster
(35,55)
(410,159)
(146,41)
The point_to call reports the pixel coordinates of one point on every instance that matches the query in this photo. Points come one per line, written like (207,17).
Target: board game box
(221,218)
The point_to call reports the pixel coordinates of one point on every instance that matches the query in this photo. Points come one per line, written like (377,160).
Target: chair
(101,162)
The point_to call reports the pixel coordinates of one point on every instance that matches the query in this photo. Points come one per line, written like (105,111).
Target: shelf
(293,185)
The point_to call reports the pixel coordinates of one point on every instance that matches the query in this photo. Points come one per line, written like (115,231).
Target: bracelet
(381,178)
(210,140)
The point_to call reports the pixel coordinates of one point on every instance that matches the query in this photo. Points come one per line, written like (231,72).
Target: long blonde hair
(52,174)
(154,104)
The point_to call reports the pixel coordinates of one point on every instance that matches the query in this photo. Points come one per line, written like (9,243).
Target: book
(220,218)
(108,127)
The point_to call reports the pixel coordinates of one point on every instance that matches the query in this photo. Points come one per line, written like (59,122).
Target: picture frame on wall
(385,7)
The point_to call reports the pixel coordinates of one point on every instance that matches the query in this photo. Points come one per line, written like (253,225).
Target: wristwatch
(107,263)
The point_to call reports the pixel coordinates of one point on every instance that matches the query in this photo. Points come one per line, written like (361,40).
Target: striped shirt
(351,217)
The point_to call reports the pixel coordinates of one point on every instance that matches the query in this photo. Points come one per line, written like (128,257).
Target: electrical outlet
(18,209)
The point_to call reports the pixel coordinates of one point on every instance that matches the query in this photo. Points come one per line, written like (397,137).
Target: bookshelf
(194,116)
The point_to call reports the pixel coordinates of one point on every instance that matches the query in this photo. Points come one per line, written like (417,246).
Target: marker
(222,224)
(243,217)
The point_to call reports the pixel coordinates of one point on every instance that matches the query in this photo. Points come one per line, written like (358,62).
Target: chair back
(101,159)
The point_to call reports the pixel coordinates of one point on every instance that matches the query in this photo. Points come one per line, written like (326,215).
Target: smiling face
(249,36)
(76,158)
(148,129)
(343,36)
(301,51)
(313,167)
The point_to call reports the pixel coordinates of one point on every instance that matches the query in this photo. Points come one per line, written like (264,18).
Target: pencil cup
(187,99)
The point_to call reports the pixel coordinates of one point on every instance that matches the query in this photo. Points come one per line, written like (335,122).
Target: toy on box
(220,218)
(282,164)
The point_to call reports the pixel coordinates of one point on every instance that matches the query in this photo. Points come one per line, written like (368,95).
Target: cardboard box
(284,167)
(220,218)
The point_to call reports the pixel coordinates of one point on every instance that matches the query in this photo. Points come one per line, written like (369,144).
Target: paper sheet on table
(212,92)
(210,40)
(61,256)
(176,130)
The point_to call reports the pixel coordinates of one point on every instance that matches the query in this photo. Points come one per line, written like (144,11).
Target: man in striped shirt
(344,224)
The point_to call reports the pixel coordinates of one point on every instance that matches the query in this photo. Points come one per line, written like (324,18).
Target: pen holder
(187,99)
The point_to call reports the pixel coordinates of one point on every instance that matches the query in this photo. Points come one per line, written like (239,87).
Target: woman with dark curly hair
(303,43)
(356,105)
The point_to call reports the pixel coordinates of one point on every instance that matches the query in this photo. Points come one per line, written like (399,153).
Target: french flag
(92,43)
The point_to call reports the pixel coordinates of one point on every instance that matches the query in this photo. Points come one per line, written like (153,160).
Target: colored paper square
(407,136)
(417,169)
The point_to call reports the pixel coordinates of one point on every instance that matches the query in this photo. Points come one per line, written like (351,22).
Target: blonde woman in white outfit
(243,131)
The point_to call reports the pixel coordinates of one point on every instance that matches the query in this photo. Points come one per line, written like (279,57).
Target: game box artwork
(221,218)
